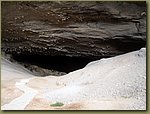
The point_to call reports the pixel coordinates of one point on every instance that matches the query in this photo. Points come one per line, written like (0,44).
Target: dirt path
(21,102)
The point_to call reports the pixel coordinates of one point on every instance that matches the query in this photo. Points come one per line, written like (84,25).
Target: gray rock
(76,29)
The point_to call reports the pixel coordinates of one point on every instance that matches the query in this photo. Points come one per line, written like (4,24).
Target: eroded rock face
(65,36)
(76,29)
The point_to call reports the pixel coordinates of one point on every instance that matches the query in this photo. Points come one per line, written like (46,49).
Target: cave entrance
(61,64)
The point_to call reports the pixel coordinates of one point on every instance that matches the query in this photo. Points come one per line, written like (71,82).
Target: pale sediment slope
(117,83)
(10,74)
(8,69)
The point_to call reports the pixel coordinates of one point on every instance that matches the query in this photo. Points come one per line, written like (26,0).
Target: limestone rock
(75,29)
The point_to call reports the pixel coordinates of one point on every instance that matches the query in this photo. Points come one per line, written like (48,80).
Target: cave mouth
(63,64)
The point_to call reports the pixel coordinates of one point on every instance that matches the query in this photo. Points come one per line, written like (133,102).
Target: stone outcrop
(74,29)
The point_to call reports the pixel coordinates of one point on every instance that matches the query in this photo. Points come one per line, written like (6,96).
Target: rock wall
(74,29)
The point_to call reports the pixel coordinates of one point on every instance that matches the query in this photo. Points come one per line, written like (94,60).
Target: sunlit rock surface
(117,83)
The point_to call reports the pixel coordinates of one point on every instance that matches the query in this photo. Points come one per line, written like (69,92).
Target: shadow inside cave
(57,63)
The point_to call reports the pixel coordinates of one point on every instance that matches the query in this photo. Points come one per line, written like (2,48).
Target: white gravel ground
(117,83)
(117,78)
(21,102)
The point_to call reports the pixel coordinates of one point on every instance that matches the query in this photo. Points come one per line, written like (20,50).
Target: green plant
(57,104)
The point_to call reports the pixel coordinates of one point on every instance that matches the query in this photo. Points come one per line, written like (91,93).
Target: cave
(64,64)
(66,36)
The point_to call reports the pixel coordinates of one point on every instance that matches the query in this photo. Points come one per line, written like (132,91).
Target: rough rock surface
(76,29)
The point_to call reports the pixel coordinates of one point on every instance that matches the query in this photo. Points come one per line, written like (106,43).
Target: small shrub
(57,104)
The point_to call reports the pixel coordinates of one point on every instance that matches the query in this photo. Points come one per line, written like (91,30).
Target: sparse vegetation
(57,104)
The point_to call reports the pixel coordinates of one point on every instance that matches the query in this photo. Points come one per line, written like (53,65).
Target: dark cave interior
(57,63)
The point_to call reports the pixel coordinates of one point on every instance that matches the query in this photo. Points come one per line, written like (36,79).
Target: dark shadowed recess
(58,63)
